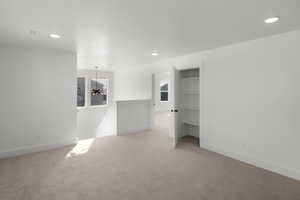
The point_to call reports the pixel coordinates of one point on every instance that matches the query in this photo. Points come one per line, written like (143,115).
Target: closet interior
(189,116)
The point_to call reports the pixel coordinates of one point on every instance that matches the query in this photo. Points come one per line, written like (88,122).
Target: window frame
(85,92)
(90,94)
(165,91)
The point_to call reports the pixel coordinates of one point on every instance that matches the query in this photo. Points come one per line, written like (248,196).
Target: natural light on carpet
(82,147)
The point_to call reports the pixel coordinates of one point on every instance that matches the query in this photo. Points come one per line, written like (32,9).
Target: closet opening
(185,109)
(178,115)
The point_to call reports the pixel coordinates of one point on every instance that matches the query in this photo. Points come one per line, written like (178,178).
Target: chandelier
(97,90)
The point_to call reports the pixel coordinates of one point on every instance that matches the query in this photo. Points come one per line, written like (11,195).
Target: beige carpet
(162,122)
(137,167)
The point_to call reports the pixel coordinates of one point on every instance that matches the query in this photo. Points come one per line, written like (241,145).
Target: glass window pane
(164,86)
(99,99)
(164,96)
(80,91)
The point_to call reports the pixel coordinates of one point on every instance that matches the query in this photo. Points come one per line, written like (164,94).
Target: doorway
(176,105)
(185,107)
(161,98)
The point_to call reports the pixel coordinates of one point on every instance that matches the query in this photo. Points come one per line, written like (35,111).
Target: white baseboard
(35,148)
(133,131)
(291,173)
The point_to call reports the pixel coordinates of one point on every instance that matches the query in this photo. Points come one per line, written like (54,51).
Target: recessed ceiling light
(55,36)
(33,32)
(154,54)
(271,20)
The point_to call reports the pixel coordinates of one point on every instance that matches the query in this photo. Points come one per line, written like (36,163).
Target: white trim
(161,82)
(291,173)
(133,131)
(98,106)
(36,148)
(130,100)
(202,105)
(165,101)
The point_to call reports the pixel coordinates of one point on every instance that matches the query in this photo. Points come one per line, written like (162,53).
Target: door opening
(185,108)
(178,114)
(161,102)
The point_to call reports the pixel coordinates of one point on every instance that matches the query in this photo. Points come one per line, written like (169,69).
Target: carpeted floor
(137,167)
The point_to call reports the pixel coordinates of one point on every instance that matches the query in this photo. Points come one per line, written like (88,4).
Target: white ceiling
(123,33)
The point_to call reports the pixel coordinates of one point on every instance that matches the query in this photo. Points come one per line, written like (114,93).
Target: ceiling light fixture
(154,54)
(33,32)
(97,90)
(55,36)
(271,20)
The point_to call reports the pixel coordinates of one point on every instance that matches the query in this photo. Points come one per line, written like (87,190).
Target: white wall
(133,116)
(251,96)
(133,95)
(96,121)
(131,84)
(38,89)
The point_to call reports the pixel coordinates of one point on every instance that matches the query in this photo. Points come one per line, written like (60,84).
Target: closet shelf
(191,92)
(190,108)
(195,123)
(191,78)
(189,88)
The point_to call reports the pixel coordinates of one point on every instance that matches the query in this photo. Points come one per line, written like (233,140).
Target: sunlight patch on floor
(82,147)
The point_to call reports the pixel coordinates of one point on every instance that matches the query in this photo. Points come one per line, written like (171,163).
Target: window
(164,91)
(99,99)
(80,91)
